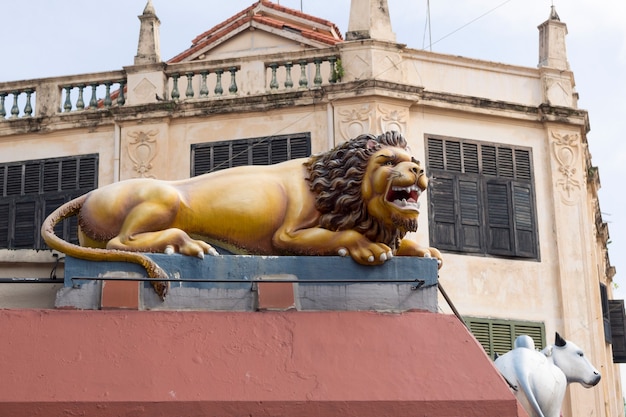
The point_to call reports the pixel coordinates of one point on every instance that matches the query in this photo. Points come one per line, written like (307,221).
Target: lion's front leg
(411,248)
(319,241)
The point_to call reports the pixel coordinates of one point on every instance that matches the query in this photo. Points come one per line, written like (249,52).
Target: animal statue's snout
(594,380)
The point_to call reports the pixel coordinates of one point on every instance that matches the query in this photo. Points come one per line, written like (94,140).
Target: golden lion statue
(358,199)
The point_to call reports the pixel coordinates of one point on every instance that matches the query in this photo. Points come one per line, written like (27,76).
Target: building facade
(512,203)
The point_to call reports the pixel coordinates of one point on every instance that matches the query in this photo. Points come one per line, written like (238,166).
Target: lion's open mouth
(404,197)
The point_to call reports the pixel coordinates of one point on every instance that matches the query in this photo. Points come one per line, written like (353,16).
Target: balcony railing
(197,80)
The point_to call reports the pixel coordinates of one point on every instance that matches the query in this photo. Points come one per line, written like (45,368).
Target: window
(31,190)
(481,198)
(498,336)
(214,156)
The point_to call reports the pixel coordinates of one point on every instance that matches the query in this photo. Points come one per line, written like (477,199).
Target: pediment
(262,28)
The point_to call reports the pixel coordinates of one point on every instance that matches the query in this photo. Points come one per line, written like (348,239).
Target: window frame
(497,336)
(43,184)
(481,198)
(266,150)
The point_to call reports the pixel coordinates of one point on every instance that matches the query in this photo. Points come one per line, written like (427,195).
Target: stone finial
(148,48)
(553,14)
(552,51)
(369,19)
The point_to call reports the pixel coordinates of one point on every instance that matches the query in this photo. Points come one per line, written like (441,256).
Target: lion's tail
(72,208)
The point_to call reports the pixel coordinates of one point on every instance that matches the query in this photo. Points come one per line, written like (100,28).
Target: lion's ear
(371,144)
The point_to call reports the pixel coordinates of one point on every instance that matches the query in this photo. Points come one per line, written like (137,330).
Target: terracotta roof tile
(256,13)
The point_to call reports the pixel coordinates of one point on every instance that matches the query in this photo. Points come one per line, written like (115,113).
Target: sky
(43,38)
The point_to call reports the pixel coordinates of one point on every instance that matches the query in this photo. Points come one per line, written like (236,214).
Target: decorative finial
(553,14)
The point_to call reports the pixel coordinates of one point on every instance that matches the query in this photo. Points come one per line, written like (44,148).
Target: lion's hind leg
(147,227)
(168,241)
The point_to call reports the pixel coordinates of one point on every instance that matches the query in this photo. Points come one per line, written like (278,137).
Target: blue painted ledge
(356,287)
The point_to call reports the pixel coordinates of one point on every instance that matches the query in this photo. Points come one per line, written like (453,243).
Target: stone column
(576,275)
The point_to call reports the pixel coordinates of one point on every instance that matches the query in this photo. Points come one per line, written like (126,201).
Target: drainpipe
(330,121)
(117,139)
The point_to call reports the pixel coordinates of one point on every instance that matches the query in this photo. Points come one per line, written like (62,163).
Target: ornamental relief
(566,149)
(142,150)
(393,119)
(354,121)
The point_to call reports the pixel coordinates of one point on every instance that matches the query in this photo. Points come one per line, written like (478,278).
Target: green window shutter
(498,336)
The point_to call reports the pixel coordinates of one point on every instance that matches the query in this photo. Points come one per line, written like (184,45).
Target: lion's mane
(335,177)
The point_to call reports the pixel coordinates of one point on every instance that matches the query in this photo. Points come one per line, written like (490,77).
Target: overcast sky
(43,38)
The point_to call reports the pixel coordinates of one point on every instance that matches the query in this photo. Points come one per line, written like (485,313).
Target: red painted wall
(111,363)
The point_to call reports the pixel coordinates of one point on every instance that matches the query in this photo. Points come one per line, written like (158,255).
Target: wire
(468,23)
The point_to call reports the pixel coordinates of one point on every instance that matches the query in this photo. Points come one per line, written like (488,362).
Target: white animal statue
(538,379)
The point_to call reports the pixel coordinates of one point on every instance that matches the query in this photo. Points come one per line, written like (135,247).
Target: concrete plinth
(240,283)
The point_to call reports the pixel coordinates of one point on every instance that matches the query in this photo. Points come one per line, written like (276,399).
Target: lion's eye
(389,163)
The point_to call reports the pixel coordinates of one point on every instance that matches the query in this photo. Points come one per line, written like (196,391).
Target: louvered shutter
(499,228)
(25,218)
(280,151)
(524,218)
(498,336)
(209,157)
(618,333)
(4,225)
(221,157)
(470,214)
(240,155)
(300,147)
(261,154)
(444,211)
(49,205)
(482,332)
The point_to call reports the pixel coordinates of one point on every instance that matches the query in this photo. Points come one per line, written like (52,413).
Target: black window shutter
(435,154)
(221,157)
(260,154)
(523,216)
(300,147)
(49,205)
(470,214)
(26,221)
(618,335)
(240,154)
(214,156)
(443,211)
(34,190)
(280,151)
(499,230)
(4,225)
(606,318)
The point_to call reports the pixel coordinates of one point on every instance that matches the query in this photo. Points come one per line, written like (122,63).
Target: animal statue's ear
(558,340)
(372,144)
